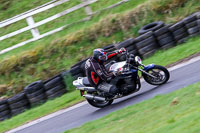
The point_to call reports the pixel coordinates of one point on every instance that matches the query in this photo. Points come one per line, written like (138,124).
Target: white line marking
(84,103)
(184,63)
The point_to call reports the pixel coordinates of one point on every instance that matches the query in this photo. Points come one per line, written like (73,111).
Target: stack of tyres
(35,93)
(129,45)
(164,37)
(4,110)
(146,44)
(55,87)
(109,48)
(179,32)
(76,71)
(192,24)
(80,67)
(151,27)
(18,103)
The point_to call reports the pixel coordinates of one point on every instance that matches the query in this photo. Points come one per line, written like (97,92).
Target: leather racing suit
(98,76)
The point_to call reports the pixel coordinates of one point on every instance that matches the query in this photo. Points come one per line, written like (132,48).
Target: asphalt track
(180,78)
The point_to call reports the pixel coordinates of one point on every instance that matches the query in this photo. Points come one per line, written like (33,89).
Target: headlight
(138,60)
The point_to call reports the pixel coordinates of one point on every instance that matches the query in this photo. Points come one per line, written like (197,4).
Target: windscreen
(116,66)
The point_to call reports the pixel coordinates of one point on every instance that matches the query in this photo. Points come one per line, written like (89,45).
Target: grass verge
(177,112)
(161,57)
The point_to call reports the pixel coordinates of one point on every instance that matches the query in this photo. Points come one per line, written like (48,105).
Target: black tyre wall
(165,37)
(56,86)
(33,87)
(37,95)
(19,101)
(4,110)
(151,27)
(146,44)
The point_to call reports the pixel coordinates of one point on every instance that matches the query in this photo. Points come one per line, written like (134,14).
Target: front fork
(146,68)
(146,73)
(138,83)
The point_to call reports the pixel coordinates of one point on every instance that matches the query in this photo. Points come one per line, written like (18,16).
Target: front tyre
(99,104)
(161,73)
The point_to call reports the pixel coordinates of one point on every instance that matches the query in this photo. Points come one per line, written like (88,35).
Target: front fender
(148,67)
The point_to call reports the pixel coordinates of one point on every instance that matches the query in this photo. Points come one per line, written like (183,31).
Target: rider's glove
(122,50)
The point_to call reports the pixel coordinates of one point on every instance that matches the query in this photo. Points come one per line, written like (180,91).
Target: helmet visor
(103,57)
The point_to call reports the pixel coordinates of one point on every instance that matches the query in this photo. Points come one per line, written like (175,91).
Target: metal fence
(33,27)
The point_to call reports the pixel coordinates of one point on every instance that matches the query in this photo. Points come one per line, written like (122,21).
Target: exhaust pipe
(97,98)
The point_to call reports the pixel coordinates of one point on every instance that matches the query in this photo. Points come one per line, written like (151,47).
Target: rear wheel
(99,104)
(161,73)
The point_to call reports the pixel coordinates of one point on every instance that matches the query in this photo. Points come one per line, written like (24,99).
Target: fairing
(115,67)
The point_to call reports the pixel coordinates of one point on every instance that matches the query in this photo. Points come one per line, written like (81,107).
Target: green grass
(74,97)
(51,106)
(177,112)
(11,8)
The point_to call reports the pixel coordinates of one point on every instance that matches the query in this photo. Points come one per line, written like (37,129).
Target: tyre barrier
(151,27)
(129,45)
(78,68)
(4,110)
(179,32)
(109,48)
(152,36)
(54,87)
(164,37)
(146,44)
(192,24)
(77,71)
(18,103)
(35,93)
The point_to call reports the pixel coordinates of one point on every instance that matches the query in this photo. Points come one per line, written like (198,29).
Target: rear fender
(80,86)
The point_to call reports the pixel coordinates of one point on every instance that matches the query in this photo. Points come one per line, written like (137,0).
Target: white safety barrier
(32,26)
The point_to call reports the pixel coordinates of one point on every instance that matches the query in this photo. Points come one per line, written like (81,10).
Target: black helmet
(100,54)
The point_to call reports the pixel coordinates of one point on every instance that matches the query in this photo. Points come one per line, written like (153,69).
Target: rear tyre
(99,104)
(160,72)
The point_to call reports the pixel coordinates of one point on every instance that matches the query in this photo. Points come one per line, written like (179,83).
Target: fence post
(88,10)
(35,32)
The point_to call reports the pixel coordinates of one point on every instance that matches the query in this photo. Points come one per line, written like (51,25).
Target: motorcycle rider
(97,74)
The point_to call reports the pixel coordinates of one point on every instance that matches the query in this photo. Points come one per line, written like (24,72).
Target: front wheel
(161,73)
(99,104)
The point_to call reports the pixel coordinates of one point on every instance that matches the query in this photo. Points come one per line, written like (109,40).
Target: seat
(86,82)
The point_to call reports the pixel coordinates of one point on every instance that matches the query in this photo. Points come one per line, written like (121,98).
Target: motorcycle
(128,81)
